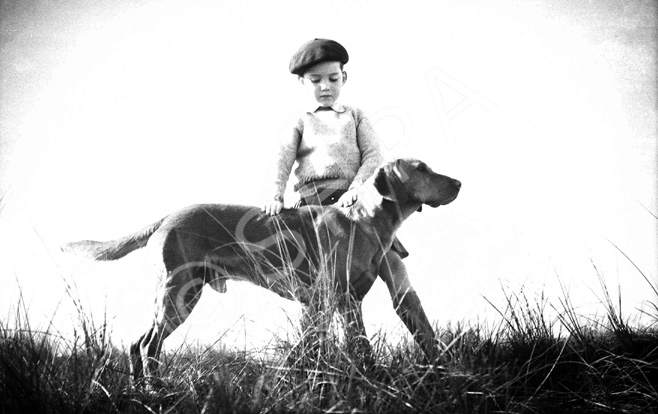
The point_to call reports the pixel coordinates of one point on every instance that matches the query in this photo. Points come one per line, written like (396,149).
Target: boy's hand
(272,207)
(348,198)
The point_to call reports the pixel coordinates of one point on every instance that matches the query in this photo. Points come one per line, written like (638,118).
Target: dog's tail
(114,249)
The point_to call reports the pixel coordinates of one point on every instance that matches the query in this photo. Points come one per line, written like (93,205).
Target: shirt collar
(335,107)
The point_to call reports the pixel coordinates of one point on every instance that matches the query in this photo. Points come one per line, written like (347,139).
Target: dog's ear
(389,185)
(382,184)
(399,171)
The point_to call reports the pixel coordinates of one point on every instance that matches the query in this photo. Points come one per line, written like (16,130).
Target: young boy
(334,145)
(336,150)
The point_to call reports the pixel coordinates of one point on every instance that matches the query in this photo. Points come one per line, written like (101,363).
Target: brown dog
(288,254)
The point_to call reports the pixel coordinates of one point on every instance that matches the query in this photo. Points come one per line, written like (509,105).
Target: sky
(115,114)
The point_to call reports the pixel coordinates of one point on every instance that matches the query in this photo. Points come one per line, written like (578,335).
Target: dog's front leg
(407,304)
(355,331)
(410,310)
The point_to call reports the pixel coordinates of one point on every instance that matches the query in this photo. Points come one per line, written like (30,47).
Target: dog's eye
(422,168)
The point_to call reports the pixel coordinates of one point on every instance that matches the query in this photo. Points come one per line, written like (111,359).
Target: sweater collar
(335,107)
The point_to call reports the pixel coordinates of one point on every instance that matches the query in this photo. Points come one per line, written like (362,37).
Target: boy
(336,150)
(334,145)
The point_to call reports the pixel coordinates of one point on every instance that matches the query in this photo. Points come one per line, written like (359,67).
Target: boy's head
(319,66)
(316,51)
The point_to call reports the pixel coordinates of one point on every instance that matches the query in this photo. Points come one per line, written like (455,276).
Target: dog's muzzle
(456,186)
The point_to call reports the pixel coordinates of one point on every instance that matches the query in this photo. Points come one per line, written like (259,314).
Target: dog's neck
(402,210)
(373,207)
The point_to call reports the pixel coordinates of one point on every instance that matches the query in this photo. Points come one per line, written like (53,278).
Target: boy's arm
(285,159)
(371,154)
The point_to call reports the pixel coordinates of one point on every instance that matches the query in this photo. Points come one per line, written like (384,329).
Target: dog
(288,254)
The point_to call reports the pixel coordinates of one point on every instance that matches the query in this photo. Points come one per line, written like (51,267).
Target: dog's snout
(457,183)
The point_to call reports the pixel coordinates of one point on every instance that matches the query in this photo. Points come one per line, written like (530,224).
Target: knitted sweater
(335,148)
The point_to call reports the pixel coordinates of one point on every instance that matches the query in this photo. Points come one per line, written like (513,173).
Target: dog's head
(412,182)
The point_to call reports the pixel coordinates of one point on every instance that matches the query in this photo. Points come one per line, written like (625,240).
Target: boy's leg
(407,304)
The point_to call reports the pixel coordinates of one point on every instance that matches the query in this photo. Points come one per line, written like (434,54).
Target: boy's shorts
(325,197)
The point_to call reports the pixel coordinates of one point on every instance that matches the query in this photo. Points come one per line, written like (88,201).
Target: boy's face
(324,81)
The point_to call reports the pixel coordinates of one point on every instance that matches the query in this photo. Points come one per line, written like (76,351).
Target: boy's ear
(344,77)
(300,79)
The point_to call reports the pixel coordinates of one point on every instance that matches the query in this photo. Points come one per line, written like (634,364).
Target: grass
(529,362)
(526,364)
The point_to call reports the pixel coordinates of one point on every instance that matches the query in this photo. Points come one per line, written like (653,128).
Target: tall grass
(529,362)
(526,364)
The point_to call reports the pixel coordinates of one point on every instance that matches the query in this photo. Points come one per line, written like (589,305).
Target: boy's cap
(316,51)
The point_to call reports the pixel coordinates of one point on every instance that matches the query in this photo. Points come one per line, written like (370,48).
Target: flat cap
(316,51)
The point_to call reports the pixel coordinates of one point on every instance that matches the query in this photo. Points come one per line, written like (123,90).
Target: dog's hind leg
(176,298)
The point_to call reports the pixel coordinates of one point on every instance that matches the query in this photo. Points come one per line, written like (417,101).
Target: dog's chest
(355,253)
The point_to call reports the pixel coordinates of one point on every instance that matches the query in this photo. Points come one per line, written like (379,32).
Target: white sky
(114,115)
